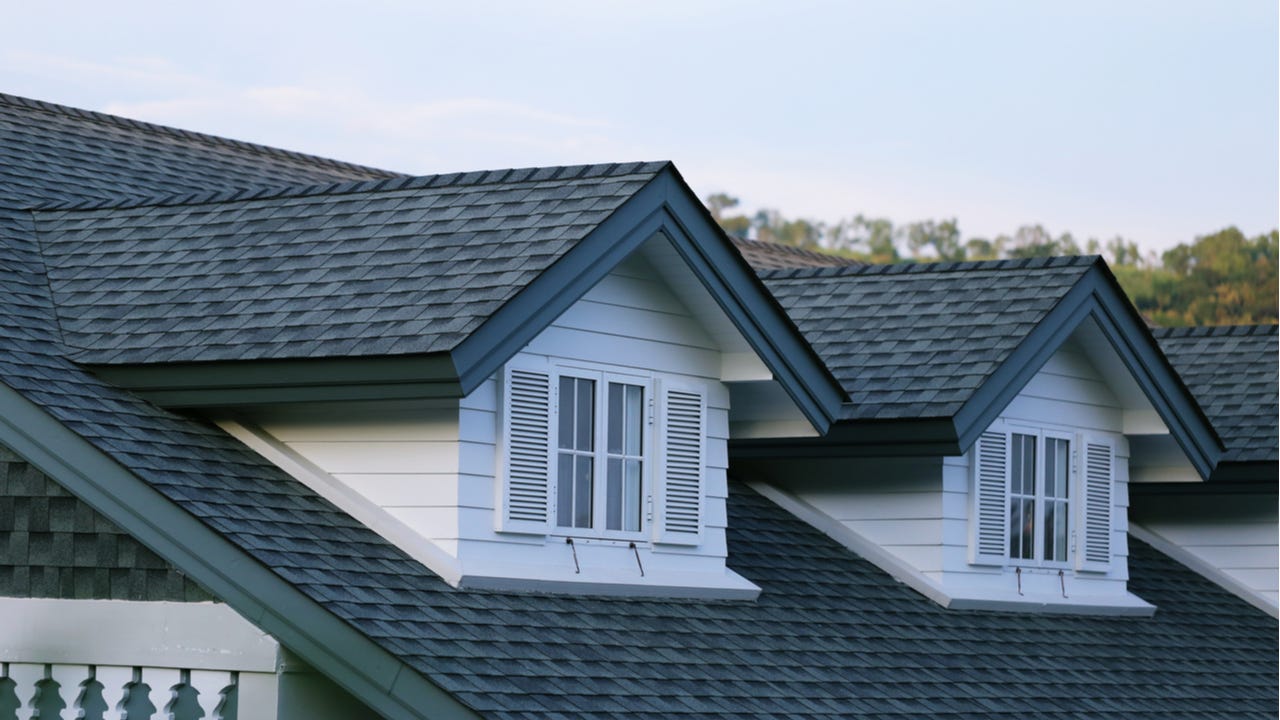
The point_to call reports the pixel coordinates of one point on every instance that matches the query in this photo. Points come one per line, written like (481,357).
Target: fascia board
(753,309)
(888,438)
(369,672)
(220,384)
(1095,296)
(663,206)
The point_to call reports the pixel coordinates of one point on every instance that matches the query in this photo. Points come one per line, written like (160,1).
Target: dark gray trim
(862,438)
(1251,485)
(220,384)
(369,672)
(663,206)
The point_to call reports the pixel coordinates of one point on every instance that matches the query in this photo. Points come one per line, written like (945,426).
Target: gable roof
(392,267)
(931,353)
(1232,371)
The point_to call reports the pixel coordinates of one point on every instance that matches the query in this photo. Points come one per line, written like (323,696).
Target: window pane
(566,412)
(632,496)
(585,404)
(1050,479)
(635,419)
(613,496)
(1015,527)
(582,491)
(615,418)
(1060,533)
(564,491)
(1057,466)
(1049,529)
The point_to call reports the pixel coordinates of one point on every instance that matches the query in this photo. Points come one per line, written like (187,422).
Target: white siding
(1235,534)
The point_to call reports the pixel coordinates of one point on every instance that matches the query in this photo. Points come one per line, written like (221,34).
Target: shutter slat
(528,446)
(682,466)
(990,543)
(1094,552)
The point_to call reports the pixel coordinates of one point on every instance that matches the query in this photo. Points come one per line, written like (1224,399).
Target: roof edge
(372,674)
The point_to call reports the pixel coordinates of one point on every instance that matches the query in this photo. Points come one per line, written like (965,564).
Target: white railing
(30,691)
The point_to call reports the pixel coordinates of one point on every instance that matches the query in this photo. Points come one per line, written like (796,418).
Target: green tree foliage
(1218,279)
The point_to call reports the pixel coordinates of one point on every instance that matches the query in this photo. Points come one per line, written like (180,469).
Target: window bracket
(577,569)
(636,551)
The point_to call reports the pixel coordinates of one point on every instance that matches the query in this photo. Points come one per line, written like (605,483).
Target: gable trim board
(372,674)
(664,208)
(1095,296)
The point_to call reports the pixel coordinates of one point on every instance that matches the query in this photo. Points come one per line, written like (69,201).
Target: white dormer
(593,461)
(1033,516)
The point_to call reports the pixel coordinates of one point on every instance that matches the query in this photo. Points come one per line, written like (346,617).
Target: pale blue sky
(1154,120)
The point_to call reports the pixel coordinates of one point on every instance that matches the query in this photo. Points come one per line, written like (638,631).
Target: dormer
(524,379)
(984,456)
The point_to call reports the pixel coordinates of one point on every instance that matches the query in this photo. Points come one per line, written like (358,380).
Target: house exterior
(283,437)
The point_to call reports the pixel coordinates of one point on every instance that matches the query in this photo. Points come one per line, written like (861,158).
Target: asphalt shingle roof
(917,340)
(1231,370)
(831,636)
(410,265)
(765,255)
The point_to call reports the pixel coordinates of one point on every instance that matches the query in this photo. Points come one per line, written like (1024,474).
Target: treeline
(1223,278)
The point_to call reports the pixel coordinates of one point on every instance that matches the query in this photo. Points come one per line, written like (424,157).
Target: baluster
(161,681)
(25,676)
(68,678)
(113,678)
(208,683)
(9,702)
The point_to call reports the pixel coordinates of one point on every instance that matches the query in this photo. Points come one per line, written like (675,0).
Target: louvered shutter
(1093,551)
(527,444)
(989,544)
(682,429)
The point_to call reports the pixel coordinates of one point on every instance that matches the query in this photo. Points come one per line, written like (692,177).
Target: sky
(1156,121)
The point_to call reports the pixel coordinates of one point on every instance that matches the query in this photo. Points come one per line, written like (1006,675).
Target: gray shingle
(916,340)
(1231,370)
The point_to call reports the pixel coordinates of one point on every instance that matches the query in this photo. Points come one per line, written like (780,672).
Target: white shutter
(526,415)
(990,533)
(682,429)
(1093,551)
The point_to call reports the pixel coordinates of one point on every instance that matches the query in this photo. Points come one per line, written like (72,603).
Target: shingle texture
(916,341)
(764,255)
(831,636)
(1231,370)
(383,268)
(53,545)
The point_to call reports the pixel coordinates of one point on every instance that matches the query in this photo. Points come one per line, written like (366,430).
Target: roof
(918,340)
(1231,369)
(390,267)
(830,636)
(45,148)
(765,255)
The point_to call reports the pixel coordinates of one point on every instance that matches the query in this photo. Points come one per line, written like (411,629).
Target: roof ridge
(1215,330)
(347,187)
(795,249)
(904,268)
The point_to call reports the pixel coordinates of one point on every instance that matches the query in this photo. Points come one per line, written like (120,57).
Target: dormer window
(595,453)
(600,456)
(1038,503)
(1039,497)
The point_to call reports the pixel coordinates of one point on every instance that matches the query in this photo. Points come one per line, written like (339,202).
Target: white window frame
(602,377)
(1040,498)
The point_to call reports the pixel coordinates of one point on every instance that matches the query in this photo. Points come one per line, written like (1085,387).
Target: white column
(209,683)
(25,676)
(161,680)
(113,679)
(69,678)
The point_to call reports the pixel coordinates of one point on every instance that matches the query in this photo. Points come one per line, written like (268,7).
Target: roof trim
(665,206)
(1098,296)
(253,382)
(372,674)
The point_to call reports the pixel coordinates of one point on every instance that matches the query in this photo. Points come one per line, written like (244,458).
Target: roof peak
(102,117)
(937,267)
(1213,331)
(404,182)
